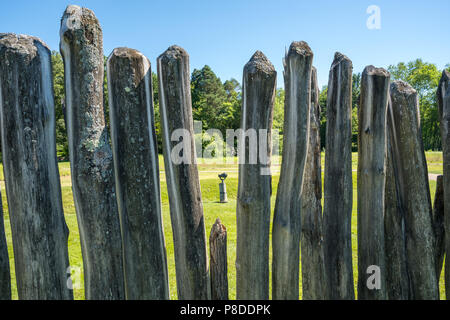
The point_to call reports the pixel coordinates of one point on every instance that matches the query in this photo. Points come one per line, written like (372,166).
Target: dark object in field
(218,261)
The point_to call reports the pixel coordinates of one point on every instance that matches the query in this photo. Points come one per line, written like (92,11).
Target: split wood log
(33,189)
(313,268)
(443,97)
(397,280)
(5,274)
(136,170)
(91,159)
(254,188)
(218,261)
(185,199)
(414,192)
(286,232)
(438,225)
(371,183)
(338,187)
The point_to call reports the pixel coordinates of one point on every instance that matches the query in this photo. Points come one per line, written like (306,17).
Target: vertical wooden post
(33,188)
(5,275)
(286,230)
(438,225)
(218,261)
(371,182)
(185,199)
(254,188)
(414,192)
(443,97)
(137,174)
(313,268)
(397,280)
(338,187)
(91,159)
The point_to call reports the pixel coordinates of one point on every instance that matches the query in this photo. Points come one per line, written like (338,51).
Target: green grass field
(212,210)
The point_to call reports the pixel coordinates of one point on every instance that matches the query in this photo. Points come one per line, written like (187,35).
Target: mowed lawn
(212,210)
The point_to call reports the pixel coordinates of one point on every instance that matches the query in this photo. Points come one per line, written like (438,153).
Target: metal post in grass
(438,225)
(371,183)
(443,97)
(286,230)
(136,170)
(91,159)
(313,268)
(27,113)
(412,181)
(218,261)
(254,188)
(397,281)
(183,185)
(5,275)
(338,187)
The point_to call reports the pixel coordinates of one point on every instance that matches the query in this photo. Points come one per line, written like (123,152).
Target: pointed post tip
(259,63)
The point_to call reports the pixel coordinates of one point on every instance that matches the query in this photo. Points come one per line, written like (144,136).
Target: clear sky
(224,34)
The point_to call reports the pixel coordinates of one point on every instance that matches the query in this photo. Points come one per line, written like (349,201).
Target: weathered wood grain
(254,188)
(414,192)
(397,280)
(338,188)
(371,180)
(286,230)
(438,225)
(313,269)
(91,159)
(27,113)
(218,261)
(136,170)
(443,97)
(186,208)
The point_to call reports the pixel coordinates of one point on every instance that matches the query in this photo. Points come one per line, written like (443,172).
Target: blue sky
(224,34)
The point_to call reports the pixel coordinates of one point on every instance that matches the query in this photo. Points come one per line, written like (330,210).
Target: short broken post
(91,159)
(313,268)
(27,113)
(443,97)
(254,188)
(412,180)
(371,183)
(438,225)
(5,275)
(286,230)
(183,185)
(136,169)
(218,261)
(338,186)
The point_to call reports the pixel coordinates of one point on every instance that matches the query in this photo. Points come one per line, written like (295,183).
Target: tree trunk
(5,275)
(218,261)
(414,191)
(33,189)
(90,153)
(186,209)
(397,280)
(137,174)
(438,225)
(313,268)
(338,187)
(286,231)
(254,188)
(443,96)
(371,182)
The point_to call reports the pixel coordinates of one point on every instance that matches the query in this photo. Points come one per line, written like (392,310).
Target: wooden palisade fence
(402,237)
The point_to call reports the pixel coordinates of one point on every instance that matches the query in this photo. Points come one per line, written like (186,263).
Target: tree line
(217,104)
